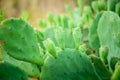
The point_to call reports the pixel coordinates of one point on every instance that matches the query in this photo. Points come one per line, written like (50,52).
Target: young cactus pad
(108,26)
(7,71)
(69,64)
(93,35)
(20,40)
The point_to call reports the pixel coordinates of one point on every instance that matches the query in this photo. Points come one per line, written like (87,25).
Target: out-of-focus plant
(2,16)
(25,15)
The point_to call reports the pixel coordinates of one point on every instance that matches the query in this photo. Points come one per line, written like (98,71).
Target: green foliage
(113,62)
(60,37)
(98,5)
(50,47)
(80,45)
(64,21)
(77,36)
(111,5)
(69,64)
(50,17)
(116,74)
(107,28)
(29,68)
(42,23)
(25,15)
(118,8)
(19,39)
(103,53)
(10,72)
(93,35)
(2,16)
(100,68)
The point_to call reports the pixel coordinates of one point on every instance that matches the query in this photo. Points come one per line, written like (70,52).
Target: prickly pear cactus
(55,33)
(10,72)
(117,10)
(117,37)
(113,62)
(67,64)
(100,68)
(108,27)
(98,5)
(112,4)
(116,73)
(103,54)
(66,37)
(50,33)
(19,40)
(93,35)
(29,68)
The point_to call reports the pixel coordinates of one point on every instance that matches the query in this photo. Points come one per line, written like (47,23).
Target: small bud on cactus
(103,53)
(95,6)
(42,23)
(116,74)
(58,20)
(50,17)
(50,47)
(82,48)
(67,8)
(64,21)
(60,37)
(77,37)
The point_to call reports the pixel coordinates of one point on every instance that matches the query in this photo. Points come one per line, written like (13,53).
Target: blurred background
(36,9)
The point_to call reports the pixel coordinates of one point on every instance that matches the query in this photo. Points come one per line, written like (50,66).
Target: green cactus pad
(10,72)
(100,68)
(29,68)
(52,32)
(108,26)
(116,34)
(49,33)
(20,40)
(69,64)
(103,53)
(111,5)
(93,35)
(117,10)
(66,37)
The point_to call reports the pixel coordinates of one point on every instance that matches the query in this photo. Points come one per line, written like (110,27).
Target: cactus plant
(101,68)
(30,69)
(111,5)
(93,35)
(80,45)
(68,65)
(113,62)
(7,71)
(116,74)
(118,8)
(103,53)
(2,16)
(19,39)
(110,22)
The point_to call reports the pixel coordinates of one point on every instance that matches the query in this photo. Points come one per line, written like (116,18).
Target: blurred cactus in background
(80,41)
